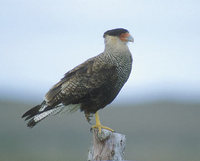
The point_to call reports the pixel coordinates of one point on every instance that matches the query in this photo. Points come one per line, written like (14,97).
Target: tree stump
(107,146)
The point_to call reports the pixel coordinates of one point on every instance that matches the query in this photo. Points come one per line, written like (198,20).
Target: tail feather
(31,123)
(32,112)
(40,112)
(39,117)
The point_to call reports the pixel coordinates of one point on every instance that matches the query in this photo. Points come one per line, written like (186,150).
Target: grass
(155,131)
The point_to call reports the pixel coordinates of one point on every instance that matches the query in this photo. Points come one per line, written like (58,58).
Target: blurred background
(159,107)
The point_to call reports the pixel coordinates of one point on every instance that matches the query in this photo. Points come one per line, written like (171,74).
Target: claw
(102,127)
(99,126)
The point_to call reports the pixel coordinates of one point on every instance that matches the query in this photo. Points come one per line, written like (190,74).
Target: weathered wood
(107,146)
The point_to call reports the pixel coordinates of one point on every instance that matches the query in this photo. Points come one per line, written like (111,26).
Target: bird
(92,85)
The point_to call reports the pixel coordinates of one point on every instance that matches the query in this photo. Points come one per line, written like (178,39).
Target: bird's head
(118,35)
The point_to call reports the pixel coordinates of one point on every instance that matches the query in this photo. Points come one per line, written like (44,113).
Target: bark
(107,146)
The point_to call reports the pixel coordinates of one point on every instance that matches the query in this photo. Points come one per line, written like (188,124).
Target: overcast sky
(42,40)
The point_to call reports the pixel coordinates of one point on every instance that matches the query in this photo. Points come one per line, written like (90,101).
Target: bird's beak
(126,37)
(130,38)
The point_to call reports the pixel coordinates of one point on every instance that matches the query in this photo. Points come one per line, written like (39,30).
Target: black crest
(115,32)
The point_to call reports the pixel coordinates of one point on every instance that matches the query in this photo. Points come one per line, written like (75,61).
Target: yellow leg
(98,124)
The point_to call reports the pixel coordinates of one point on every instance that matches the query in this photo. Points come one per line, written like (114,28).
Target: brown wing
(91,77)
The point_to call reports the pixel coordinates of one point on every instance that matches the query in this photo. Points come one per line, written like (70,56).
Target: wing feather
(78,83)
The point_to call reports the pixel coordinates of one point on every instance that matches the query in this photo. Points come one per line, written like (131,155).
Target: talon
(99,126)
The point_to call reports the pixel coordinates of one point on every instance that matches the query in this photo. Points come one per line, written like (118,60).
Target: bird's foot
(99,126)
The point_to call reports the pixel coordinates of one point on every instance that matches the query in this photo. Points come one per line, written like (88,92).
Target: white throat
(115,44)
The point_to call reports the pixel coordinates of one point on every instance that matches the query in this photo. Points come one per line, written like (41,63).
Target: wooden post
(107,146)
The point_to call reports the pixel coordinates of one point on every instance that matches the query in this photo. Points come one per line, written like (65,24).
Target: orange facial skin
(124,36)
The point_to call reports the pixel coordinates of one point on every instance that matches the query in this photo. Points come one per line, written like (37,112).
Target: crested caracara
(91,85)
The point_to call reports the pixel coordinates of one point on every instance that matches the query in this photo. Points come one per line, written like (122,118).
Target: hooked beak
(126,37)
(130,38)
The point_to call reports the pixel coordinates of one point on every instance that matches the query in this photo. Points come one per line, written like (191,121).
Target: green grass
(155,131)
